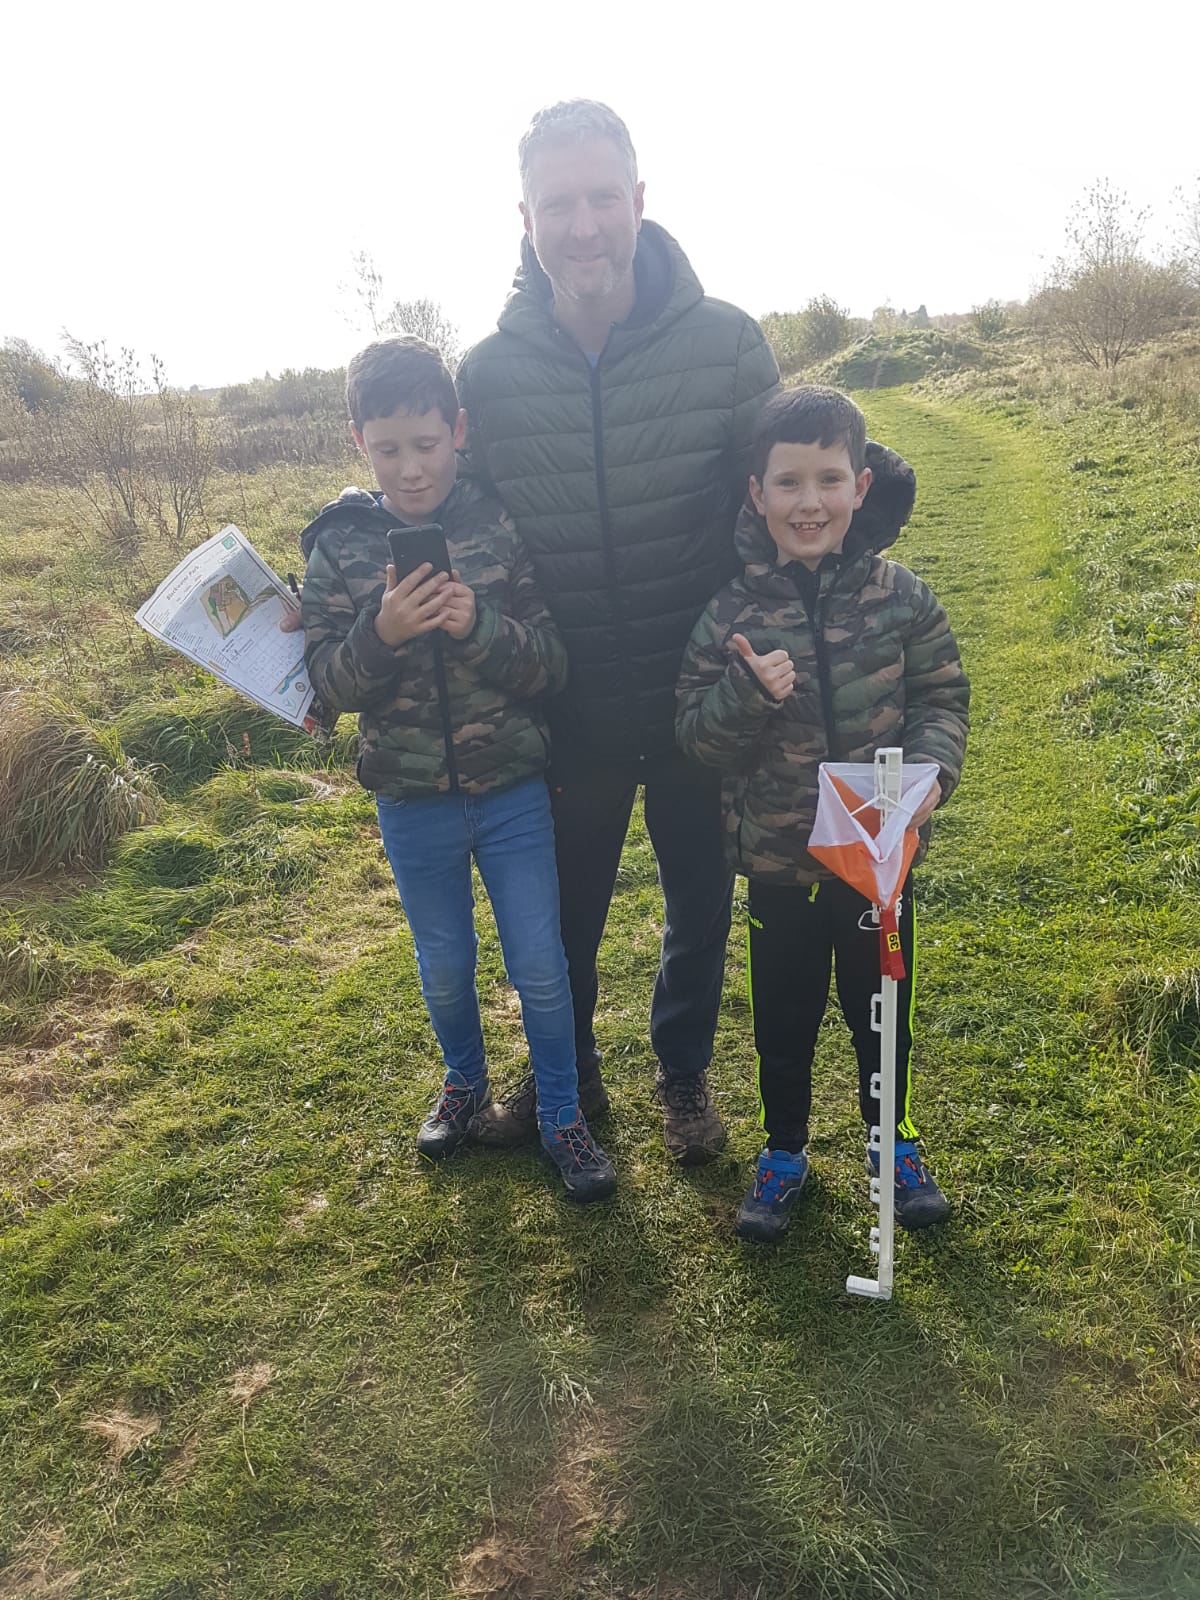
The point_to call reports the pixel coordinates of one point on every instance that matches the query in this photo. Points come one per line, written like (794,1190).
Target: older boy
(448,673)
(821,650)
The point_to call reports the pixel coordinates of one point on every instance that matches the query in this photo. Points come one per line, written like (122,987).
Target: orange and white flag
(855,843)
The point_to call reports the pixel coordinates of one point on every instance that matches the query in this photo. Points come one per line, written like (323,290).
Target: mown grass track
(474,1388)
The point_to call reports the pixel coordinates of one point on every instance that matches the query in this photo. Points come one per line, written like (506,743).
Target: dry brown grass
(123,1431)
(36,1572)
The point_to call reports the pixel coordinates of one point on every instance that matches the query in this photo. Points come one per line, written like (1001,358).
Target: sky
(192,181)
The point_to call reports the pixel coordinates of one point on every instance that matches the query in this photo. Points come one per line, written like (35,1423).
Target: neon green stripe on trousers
(906,1127)
(762,1110)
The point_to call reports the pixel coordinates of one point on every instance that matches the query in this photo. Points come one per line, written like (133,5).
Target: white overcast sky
(191,180)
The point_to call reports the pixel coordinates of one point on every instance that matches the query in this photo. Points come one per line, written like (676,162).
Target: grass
(249,1347)
(67,791)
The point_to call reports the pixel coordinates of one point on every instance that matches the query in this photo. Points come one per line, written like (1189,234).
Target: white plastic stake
(888,783)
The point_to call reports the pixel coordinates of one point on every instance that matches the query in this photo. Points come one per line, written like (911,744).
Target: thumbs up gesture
(774,671)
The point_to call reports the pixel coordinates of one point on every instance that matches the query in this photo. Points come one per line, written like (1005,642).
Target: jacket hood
(355,508)
(667,286)
(874,526)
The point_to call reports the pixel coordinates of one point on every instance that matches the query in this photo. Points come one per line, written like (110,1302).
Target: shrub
(67,790)
(989,319)
(799,338)
(1103,298)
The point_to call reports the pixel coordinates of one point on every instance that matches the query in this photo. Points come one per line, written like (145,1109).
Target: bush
(799,338)
(67,790)
(1103,298)
(989,319)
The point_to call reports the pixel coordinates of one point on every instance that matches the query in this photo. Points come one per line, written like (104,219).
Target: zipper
(816,621)
(610,556)
(443,689)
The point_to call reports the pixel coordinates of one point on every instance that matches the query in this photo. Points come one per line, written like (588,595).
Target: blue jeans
(430,843)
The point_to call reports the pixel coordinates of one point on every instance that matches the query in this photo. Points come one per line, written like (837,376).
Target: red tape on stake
(891,957)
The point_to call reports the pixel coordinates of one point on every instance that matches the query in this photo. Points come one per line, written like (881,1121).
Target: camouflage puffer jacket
(876,664)
(437,715)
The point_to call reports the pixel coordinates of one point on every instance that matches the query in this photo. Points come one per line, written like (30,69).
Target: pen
(293,585)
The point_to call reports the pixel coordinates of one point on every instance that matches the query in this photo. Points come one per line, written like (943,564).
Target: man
(613,410)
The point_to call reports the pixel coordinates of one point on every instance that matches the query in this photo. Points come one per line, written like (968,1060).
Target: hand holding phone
(411,605)
(412,547)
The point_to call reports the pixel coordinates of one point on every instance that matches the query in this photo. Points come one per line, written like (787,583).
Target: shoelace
(578,1141)
(769,1185)
(909,1173)
(454,1100)
(523,1099)
(684,1093)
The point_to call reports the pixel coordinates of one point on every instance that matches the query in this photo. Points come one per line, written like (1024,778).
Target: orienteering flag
(858,846)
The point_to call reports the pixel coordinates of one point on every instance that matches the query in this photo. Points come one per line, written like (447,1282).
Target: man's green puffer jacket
(624,479)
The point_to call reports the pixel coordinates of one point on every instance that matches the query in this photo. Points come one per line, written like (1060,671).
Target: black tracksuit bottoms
(796,935)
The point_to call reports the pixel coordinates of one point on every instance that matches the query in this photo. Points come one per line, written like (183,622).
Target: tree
(37,383)
(366,288)
(93,441)
(426,320)
(1103,298)
(423,318)
(1188,233)
(800,338)
(989,319)
(180,458)
(826,327)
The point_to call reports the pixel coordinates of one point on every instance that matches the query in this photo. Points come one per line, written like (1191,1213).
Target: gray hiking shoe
(448,1123)
(692,1129)
(513,1120)
(919,1202)
(586,1170)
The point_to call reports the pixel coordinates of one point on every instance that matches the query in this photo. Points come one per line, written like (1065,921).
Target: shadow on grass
(726,1416)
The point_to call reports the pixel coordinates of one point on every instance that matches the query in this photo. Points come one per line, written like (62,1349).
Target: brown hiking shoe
(692,1127)
(513,1119)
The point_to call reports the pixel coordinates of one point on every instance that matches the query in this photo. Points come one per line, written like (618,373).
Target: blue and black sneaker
(586,1170)
(778,1180)
(445,1128)
(919,1202)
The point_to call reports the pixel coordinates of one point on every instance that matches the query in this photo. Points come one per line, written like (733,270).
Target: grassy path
(365,1379)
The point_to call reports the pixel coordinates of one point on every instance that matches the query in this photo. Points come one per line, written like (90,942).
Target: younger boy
(447,673)
(821,650)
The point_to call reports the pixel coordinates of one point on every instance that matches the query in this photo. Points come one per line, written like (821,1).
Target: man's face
(808,494)
(413,459)
(583,214)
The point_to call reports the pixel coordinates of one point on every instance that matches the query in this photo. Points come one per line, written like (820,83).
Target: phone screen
(412,547)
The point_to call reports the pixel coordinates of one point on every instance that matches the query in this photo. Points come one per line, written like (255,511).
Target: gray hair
(571,122)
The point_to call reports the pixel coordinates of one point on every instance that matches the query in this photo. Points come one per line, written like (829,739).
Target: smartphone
(412,547)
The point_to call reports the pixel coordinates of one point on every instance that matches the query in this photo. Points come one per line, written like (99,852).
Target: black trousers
(796,936)
(592,804)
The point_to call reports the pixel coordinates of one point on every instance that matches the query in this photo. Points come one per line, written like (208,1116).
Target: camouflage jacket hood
(436,715)
(875,526)
(876,664)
